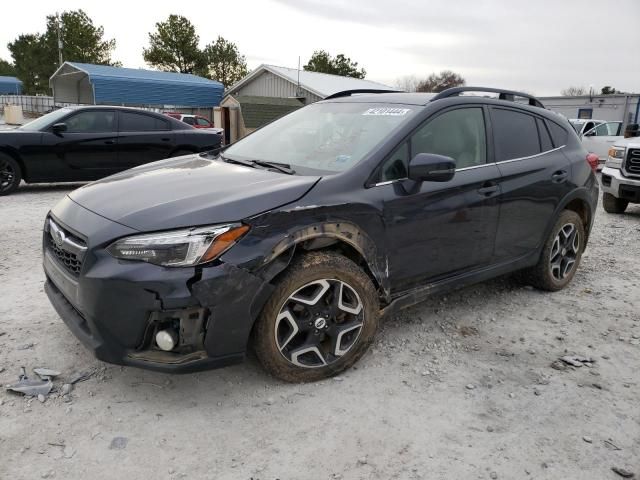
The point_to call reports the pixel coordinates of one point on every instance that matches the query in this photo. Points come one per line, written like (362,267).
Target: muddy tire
(320,319)
(10,174)
(560,256)
(612,204)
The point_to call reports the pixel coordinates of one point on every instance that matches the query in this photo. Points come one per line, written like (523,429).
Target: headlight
(615,157)
(179,248)
(616,152)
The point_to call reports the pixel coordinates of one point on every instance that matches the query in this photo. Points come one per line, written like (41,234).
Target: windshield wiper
(281,167)
(235,160)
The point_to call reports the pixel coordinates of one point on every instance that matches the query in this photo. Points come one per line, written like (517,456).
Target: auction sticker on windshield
(387,111)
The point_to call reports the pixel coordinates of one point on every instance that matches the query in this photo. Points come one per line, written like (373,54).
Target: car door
(88,146)
(599,139)
(434,229)
(535,178)
(142,138)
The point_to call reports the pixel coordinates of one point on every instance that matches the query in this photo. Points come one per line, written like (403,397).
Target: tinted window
(203,122)
(545,138)
(395,166)
(189,120)
(558,134)
(458,134)
(137,122)
(515,133)
(92,121)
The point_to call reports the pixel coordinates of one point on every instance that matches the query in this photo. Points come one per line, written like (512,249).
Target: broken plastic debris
(576,360)
(29,387)
(45,373)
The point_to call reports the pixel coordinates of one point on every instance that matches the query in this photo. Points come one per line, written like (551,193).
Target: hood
(632,142)
(189,191)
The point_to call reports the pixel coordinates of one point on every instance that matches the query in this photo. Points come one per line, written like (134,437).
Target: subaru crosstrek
(298,238)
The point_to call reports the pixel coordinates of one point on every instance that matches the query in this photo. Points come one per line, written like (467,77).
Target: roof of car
(399,97)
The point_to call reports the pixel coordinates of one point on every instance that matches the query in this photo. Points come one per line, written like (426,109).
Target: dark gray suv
(299,237)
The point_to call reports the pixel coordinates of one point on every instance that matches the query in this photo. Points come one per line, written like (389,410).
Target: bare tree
(574,91)
(441,81)
(408,83)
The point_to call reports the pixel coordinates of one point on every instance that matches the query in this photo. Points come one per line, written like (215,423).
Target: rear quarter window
(558,134)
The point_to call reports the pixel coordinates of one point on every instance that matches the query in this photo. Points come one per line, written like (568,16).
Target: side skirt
(421,293)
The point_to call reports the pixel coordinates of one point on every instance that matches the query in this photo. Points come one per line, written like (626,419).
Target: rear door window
(203,122)
(545,138)
(515,134)
(189,120)
(139,122)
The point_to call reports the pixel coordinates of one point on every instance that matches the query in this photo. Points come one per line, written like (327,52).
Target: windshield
(326,137)
(45,120)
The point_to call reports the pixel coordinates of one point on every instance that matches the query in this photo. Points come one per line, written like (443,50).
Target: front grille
(632,165)
(68,250)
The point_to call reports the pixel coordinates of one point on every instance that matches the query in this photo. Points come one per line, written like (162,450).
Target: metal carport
(10,86)
(84,83)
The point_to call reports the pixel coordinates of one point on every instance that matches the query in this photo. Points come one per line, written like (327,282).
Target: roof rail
(502,94)
(348,93)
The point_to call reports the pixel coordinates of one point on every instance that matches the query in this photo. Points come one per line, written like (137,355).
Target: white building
(617,107)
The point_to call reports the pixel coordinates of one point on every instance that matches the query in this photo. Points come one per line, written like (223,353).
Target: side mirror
(429,167)
(590,133)
(59,127)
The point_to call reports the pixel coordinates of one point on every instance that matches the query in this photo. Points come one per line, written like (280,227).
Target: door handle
(165,139)
(109,142)
(559,176)
(488,188)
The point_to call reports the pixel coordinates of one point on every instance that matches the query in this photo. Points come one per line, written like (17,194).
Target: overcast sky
(540,46)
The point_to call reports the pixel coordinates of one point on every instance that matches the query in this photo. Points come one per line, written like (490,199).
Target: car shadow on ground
(31,188)
(249,382)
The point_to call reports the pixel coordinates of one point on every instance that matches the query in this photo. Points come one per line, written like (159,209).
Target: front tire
(10,174)
(561,254)
(320,319)
(613,204)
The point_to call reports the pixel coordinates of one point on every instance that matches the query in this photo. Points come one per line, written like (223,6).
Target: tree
(323,62)
(7,69)
(174,46)
(35,56)
(438,82)
(408,83)
(29,62)
(223,62)
(574,91)
(607,90)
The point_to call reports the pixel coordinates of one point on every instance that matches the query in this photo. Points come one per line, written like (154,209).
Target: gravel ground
(458,387)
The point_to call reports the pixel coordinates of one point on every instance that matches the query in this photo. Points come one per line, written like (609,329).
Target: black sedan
(77,144)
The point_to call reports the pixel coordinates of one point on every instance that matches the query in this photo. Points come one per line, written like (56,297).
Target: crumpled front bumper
(110,305)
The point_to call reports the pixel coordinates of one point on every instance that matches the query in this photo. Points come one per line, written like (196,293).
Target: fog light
(166,339)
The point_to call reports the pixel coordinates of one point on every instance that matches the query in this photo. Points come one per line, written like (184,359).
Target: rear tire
(561,254)
(613,204)
(10,174)
(320,319)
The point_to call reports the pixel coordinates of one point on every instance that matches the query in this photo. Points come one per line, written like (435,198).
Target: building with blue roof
(84,83)
(10,86)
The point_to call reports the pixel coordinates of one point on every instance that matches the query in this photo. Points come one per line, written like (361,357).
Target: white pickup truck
(621,175)
(598,136)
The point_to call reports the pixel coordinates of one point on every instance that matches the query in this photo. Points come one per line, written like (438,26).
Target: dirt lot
(459,387)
